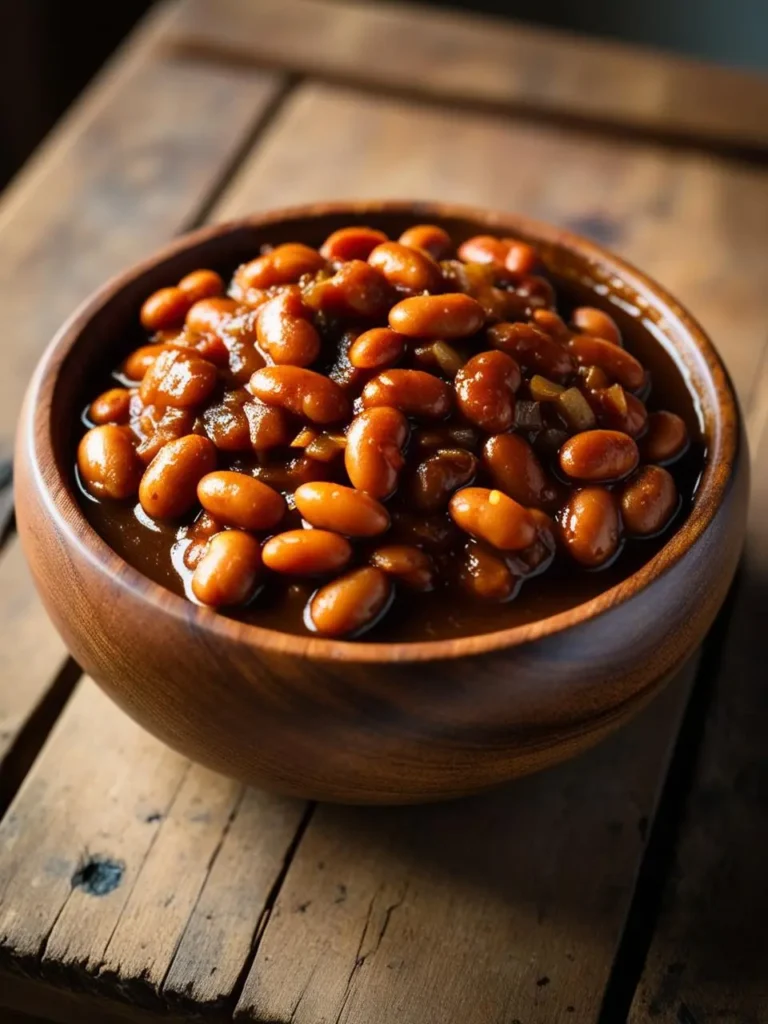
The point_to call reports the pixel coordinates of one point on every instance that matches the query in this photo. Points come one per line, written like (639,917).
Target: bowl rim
(57,492)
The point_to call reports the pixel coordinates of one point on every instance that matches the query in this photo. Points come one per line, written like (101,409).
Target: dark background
(49,49)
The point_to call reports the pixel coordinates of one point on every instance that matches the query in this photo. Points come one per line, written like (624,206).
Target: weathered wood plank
(461,57)
(707,961)
(698,224)
(31,654)
(504,907)
(124,171)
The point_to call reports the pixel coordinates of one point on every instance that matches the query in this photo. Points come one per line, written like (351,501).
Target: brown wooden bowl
(371,722)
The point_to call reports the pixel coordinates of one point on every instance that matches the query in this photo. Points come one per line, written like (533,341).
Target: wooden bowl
(371,722)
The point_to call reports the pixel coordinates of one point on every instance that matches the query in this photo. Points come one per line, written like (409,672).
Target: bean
(406,269)
(620,410)
(408,564)
(666,439)
(201,284)
(441,356)
(199,534)
(285,264)
(355,290)
(301,392)
(486,576)
(376,348)
(619,364)
(268,426)
(521,258)
(485,390)
(552,324)
(439,475)
(209,315)
(449,316)
(428,237)
(537,290)
(172,424)
(107,461)
(350,603)
(353,243)
(229,570)
(533,349)
(538,556)
(596,324)
(178,378)
(164,309)
(484,249)
(599,455)
(244,358)
(344,510)
(237,499)
(287,477)
(373,457)
(648,501)
(112,406)
(590,526)
(211,347)
(169,485)
(306,552)
(413,392)
(516,470)
(141,359)
(284,330)
(493,517)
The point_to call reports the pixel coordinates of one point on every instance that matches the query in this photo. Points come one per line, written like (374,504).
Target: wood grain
(461,57)
(709,952)
(31,652)
(128,167)
(696,224)
(386,915)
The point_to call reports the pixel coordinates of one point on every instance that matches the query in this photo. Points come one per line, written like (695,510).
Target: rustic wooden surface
(135,885)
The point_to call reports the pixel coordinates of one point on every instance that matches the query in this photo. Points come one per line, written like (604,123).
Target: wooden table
(626,885)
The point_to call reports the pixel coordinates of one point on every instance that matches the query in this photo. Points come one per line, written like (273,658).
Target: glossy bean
(431,238)
(620,410)
(164,309)
(285,264)
(355,290)
(590,526)
(179,379)
(619,364)
(491,516)
(484,249)
(351,603)
(521,258)
(439,475)
(449,316)
(169,486)
(406,269)
(112,406)
(516,470)
(136,365)
(344,510)
(553,325)
(229,571)
(198,534)
(533,349)
(599,456)
(226,422)
(666,438)
(409,565)
(485,390)
(209,315)
(377,348)
(537,291)
(648,501)
(108,464)
(597,324)
(352,243)
(237,499)
(301,392)
(373,457)
(413,392)
(201,284)
(284,330)
(539,555)
(486,576)
(306,552)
